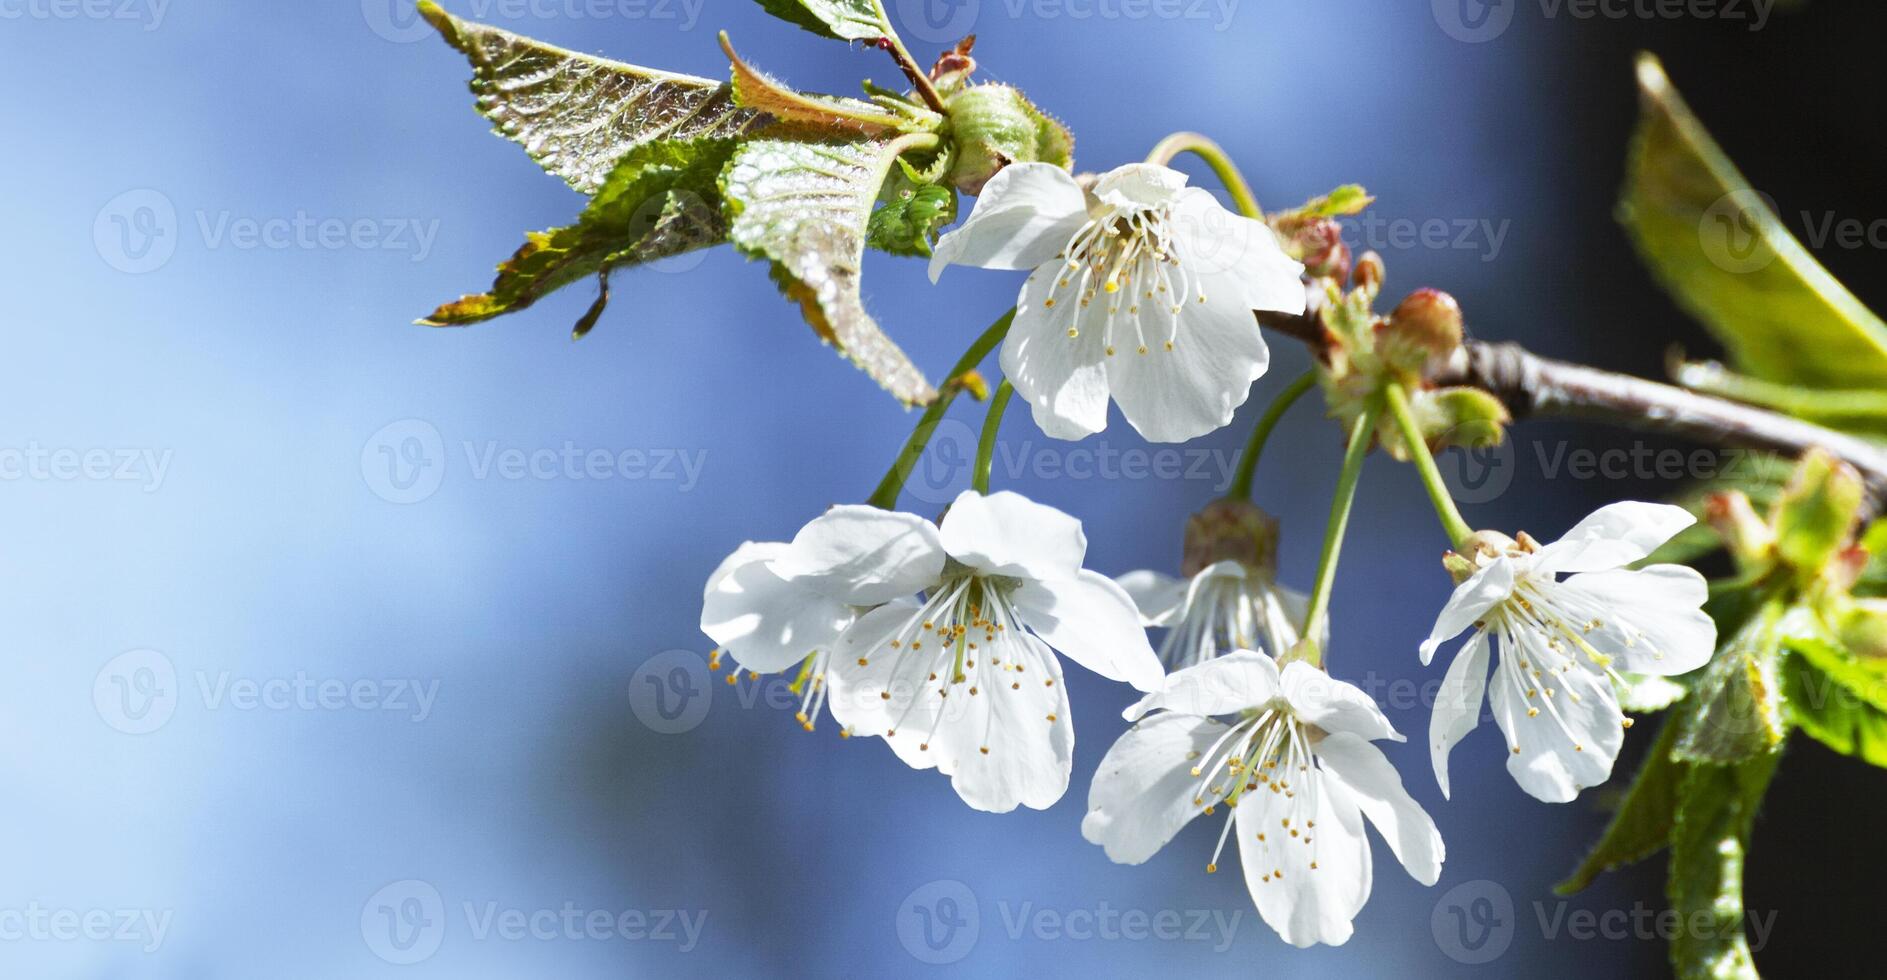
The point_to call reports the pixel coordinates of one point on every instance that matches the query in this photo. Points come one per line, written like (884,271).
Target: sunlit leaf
(1709,838)
(847,20)
(662,199)
(1719,248)
(1734,711)
(575,114)
(804,206)
(827,115)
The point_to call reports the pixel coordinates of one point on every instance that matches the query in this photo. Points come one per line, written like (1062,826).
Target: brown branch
(1530,385)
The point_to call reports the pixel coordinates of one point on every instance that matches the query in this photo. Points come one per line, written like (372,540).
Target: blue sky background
(253,536)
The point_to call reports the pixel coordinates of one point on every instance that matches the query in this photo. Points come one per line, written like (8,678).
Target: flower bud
(1369,274)
(1229,529)
(1319,244)
(1424,329)
(994,126)
(1749,538)
(1862,627)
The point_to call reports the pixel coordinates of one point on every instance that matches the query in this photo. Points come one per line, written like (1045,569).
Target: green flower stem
(1361,432)
(1215,157)
(986,446)
(1458,529)
(1248,463)
(892,486)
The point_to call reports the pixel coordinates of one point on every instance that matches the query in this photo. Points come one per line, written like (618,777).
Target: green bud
(1816,516)
(994,126)
(1750,539)
(1862,627)
(1466,417)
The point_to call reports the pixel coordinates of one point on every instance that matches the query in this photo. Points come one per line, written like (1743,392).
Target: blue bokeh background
(271,379)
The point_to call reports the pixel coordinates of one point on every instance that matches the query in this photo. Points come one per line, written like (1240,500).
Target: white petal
(1184,393)
(1144,791)
(1025,215)
(1333,705)
(1305,905)
(1139,186)
(1093,622)
(1570,744)
(1457,704)
(1062,377)
(1612,537)
(1243,252)
(767,623)
(1221,686)
(864,555)
(1471,600)
(1160,598)
(1372,781)
(1020,717)
(1005,533)
(1651,619)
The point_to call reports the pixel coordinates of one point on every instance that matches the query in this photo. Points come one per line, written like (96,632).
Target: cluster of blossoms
(945,639)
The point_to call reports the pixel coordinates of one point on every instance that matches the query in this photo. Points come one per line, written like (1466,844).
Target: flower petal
(1023,218)
(1194,388)
(1139,186)
(1333,705)
(864,556)
(1612,537)
(1457,704)
(767,623)
(1225,685)
(1003,733)
(1144,791)
(1160,598)
(1571,743)
(1651,619)
(1372,781)
(1062,377)
(1243,252)
(1005,533)
(1093,622)
(1305,904)
(1472,599)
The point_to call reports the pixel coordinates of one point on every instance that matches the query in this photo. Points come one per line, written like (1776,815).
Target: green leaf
(822,115)
(804,206)
(908,220)
(1831,708)
(1719,249)
(1709,837)
(1818,512)
(1734,712)
(662,199)
(846,20)
(1642,825)
(1342,202)
(577,115)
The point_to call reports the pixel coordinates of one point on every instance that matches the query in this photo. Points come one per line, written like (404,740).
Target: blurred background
(304,679)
